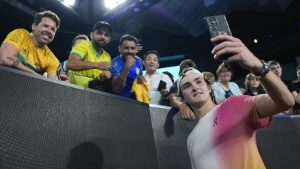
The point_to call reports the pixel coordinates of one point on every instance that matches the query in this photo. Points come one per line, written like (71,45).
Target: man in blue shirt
(126,67)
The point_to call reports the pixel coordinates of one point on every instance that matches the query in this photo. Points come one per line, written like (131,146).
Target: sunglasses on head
(185,70)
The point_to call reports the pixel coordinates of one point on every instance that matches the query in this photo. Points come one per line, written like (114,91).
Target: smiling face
(194,89)
(151,63)
(128,47)
(225,75)
(44,32)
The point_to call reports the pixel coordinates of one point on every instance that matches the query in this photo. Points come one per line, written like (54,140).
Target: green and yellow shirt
(87,53)
(38,59)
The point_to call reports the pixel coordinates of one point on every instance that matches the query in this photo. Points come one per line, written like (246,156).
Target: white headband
(189,70)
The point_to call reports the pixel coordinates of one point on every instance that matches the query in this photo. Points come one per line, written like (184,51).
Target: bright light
(69,2)
(110,4)
(255,40)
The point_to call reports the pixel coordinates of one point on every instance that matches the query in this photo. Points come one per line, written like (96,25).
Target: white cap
(187,71)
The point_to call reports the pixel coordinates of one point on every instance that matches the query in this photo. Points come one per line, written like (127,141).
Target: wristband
(265,70)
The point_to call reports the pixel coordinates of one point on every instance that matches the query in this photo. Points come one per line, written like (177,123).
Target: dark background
(173,27)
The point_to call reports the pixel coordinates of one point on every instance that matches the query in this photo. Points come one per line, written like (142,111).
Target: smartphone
(217,25)
(162,85)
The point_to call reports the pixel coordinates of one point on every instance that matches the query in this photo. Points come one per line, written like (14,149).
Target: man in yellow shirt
(88,61)
(29,51)
(63,72)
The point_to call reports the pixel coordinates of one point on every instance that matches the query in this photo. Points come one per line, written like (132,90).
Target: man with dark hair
(29,51)
(88,61)
(38,18)
(276,68)
(126,67)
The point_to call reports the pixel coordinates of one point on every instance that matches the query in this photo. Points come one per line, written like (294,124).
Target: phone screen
(162,85)
(217,25)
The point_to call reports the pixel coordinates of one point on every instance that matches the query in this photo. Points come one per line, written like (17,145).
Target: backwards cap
(187,71)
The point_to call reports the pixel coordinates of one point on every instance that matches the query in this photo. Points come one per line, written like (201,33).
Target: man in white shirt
(155,78)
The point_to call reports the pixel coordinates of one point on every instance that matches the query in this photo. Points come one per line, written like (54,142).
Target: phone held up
(162,85)
(218,25)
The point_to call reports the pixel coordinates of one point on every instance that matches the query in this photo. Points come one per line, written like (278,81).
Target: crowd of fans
(226,119)
(89,65)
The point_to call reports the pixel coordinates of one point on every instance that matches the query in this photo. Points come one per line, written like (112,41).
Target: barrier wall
(279,144)
(49,124)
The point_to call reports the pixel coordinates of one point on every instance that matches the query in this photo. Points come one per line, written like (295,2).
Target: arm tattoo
(15,64)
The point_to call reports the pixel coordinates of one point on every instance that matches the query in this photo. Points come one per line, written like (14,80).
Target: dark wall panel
(124,130)
(170,135)
(44,124)
(279,144)
(40,123)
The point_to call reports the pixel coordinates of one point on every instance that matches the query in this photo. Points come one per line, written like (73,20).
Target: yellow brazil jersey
(87,53)
(38,59)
